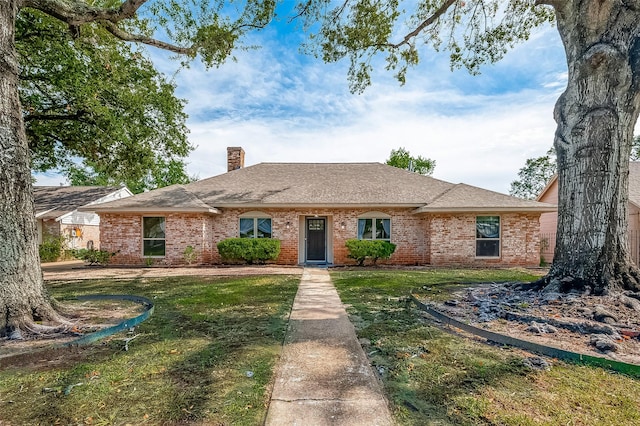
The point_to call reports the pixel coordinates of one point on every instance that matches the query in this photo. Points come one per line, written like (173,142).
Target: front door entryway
(316,239)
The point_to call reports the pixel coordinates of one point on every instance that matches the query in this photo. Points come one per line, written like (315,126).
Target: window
(153,238)
(488,236)
(255,227)
(374,229)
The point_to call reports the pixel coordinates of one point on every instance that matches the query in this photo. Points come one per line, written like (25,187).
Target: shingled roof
(318,185)
(54,201)
(634,184)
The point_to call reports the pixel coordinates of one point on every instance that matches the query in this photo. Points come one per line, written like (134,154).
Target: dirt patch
(92,315)
(78,271)
(87,317)
(604,326)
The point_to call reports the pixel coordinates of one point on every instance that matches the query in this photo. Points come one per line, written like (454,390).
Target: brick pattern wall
(51,227)
(87,233)
(122,234)
(420,239)
(453,240)
(235,158)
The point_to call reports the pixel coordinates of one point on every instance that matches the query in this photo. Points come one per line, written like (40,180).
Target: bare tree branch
(79,12)
(126,36)
(54,117)
(430,20)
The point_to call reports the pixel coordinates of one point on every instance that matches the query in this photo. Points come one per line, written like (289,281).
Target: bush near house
(249,250)
(51,248)
(94,257)
(360,250)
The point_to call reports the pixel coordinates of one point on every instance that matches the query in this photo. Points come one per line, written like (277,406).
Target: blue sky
(282,106)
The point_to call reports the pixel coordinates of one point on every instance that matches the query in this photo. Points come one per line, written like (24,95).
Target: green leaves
(534,176)
(402,159)
(96,109)
(475,33)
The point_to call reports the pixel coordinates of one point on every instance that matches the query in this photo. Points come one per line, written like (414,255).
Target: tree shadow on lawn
(190,361)
(431,376)
(444,395)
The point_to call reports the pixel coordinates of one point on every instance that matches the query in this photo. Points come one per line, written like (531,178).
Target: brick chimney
(235,158)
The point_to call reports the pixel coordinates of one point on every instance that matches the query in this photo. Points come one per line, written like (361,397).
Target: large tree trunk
(596,116)
(23,299)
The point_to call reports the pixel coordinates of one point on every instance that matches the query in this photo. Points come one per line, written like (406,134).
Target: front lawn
(433,377)
(206,356)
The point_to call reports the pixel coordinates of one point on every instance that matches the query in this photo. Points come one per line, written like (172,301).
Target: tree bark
(596,116)
(23,299)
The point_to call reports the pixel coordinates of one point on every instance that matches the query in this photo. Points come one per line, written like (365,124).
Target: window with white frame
(153,236)
(374,228)
(488,236)
(255,227)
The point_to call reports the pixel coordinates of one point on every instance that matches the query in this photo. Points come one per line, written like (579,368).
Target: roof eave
(315,205)
(151,210)
(485,210)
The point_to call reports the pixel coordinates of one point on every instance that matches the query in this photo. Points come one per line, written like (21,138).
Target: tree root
(582,327)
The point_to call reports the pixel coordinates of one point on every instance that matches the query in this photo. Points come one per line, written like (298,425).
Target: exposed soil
(87,317)
(603,326)
(93,315)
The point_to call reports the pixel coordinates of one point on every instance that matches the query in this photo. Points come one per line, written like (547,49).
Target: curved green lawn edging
(128,323)
(621,367)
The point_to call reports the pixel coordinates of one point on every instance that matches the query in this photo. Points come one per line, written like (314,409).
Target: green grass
(433,377)
(189,363)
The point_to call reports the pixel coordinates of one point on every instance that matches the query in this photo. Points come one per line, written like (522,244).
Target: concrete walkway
(324,376)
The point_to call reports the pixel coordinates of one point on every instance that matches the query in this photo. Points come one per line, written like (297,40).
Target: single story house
(57,212)
(549,220)
(313,208)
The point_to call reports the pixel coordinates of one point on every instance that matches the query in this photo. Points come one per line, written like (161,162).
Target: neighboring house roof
(464,197)
(634,184)
(52,202)
(319,185)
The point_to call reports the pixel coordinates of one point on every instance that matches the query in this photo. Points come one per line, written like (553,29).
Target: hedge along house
(57,214)
(314,208)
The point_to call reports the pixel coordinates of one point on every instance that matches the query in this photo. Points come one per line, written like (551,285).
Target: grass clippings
(433,377)
(205,356)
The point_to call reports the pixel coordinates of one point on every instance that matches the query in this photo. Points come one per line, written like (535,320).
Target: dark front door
(316,240)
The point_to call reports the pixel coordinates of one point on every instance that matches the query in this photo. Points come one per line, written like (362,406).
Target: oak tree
(208,30)
(95,108)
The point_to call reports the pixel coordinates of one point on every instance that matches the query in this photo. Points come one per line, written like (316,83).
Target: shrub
(94,257)
(249,250)
(190,255)
(51,248)
(360,250)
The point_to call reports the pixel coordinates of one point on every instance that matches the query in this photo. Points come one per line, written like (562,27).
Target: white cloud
(284,107)
(480,130)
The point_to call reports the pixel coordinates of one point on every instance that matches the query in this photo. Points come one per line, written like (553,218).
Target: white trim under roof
(150,210)
(541,209)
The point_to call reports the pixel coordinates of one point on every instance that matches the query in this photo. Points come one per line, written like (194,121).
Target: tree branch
(78,12)
(430,20)
(54,117)
(126,36)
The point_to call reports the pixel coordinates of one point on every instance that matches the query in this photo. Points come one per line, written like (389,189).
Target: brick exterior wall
(421,239)
(235,158)
(51,227)
(87,233)
(453,240)
(122,234)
